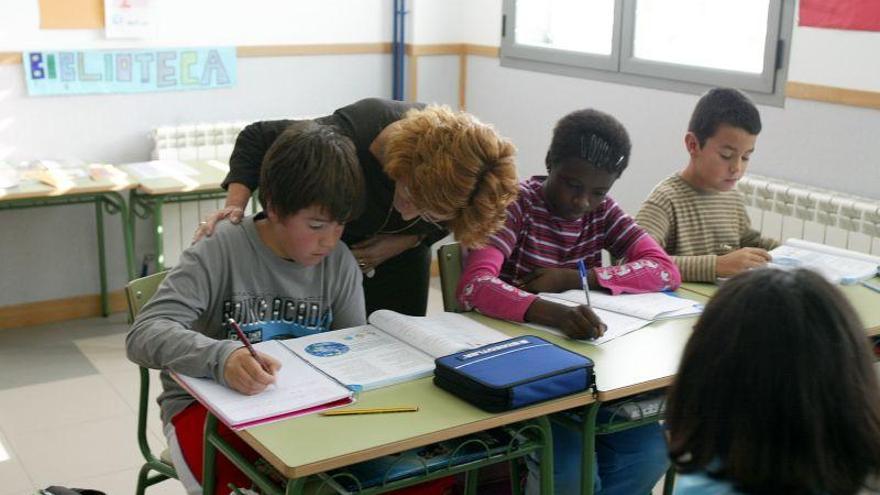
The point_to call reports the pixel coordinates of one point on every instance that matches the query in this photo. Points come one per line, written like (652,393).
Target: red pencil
(247,343)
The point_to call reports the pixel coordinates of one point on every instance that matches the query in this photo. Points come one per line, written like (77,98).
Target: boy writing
(279,274)
(697,215)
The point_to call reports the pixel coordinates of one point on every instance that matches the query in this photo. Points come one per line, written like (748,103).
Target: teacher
(427,170)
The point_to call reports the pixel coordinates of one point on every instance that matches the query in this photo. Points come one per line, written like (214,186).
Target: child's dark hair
(312,164)
(723,106)
(590,135)
(776,392)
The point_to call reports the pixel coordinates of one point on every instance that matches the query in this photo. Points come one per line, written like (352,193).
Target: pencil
(375,410)
(247,343)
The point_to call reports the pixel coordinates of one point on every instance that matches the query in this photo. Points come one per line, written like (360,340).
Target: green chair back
(449,258)
(137,293)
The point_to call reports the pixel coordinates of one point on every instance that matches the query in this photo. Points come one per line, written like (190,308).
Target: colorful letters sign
(128,71)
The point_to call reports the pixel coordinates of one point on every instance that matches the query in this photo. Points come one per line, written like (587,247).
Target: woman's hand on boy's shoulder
(550,280)
(244,374)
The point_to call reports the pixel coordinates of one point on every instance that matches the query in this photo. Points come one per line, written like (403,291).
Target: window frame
(622,67)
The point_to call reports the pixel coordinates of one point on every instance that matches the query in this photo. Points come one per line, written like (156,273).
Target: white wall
(49,253)
(815,143)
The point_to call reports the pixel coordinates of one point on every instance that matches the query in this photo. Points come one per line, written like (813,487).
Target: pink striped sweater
(534,238)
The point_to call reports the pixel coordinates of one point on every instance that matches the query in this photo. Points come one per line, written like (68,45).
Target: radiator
(190,143)
(783,209)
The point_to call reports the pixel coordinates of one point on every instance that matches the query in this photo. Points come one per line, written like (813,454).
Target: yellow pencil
(376,410)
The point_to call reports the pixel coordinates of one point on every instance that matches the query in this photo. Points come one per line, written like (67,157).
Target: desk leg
(102,259)
(158,233)
(588,476)
(209,478)
(546,456)
(114,203)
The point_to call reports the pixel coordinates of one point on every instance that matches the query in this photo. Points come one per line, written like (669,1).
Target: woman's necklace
(388,217)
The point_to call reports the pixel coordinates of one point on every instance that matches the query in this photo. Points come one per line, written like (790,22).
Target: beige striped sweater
(695,227)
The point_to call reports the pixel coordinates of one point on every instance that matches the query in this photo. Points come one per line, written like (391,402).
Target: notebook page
(363,356)
(835,264)
(297,386)
(437,335)
(647,306)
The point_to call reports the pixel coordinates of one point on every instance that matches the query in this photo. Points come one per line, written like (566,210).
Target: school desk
(152,192)
(301,447)
(103,193)
(865,301)
(641,361)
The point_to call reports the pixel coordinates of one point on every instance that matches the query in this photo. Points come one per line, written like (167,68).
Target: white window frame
(622,67)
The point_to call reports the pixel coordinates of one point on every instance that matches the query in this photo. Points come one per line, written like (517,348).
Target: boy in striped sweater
(557,220)
(697,215)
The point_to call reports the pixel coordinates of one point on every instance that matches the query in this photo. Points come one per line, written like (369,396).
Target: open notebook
(299,389)
(392,348)
(839,266)
(647,306)
(323,370)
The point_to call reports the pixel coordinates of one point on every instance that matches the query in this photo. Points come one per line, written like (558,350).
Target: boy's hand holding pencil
(246,370)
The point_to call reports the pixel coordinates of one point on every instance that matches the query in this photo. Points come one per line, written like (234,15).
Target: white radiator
(190,143)
(783,209)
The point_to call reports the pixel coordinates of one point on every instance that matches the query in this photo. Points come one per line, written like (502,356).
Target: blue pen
(871,286)
(584,281)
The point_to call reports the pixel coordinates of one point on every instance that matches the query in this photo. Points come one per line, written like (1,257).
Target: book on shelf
(837,265)
(325,370)
(392,348)
(299,389)
(647,306)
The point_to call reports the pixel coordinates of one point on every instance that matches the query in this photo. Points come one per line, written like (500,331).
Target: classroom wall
(51,253)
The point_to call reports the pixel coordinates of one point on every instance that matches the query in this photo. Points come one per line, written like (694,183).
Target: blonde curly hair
(456,167)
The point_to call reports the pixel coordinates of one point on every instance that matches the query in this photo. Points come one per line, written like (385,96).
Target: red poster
(859,15)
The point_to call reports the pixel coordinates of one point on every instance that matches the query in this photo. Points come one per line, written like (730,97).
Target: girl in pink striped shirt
(560,219)
(555,222)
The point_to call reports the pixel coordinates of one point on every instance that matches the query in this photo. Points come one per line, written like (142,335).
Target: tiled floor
(68,408)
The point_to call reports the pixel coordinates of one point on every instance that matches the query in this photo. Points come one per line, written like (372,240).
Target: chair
(449,259)
(137,293)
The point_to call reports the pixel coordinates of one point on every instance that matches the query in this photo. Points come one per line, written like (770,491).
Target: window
(683,45)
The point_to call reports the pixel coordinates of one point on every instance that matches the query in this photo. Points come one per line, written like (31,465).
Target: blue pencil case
(513,373)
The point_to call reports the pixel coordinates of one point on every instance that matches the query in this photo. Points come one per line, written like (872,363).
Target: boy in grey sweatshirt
(280,274)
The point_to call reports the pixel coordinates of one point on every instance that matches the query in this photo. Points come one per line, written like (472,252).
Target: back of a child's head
(590,135)
(721,106)
(776,391)
(312,165)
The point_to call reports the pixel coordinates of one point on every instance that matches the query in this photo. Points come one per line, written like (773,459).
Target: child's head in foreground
(777,392)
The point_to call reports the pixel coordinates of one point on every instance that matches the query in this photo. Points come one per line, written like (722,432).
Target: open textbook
(647,306)
(392,348)
(298,389)
(839,266)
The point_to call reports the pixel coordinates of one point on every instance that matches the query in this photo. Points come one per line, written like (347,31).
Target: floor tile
(13,478)
(23,365)
(96,448)
(123,482)
(106,353)
(59,403)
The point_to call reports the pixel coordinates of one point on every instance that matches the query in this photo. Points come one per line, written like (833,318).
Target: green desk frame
(534,437)
(105,201)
